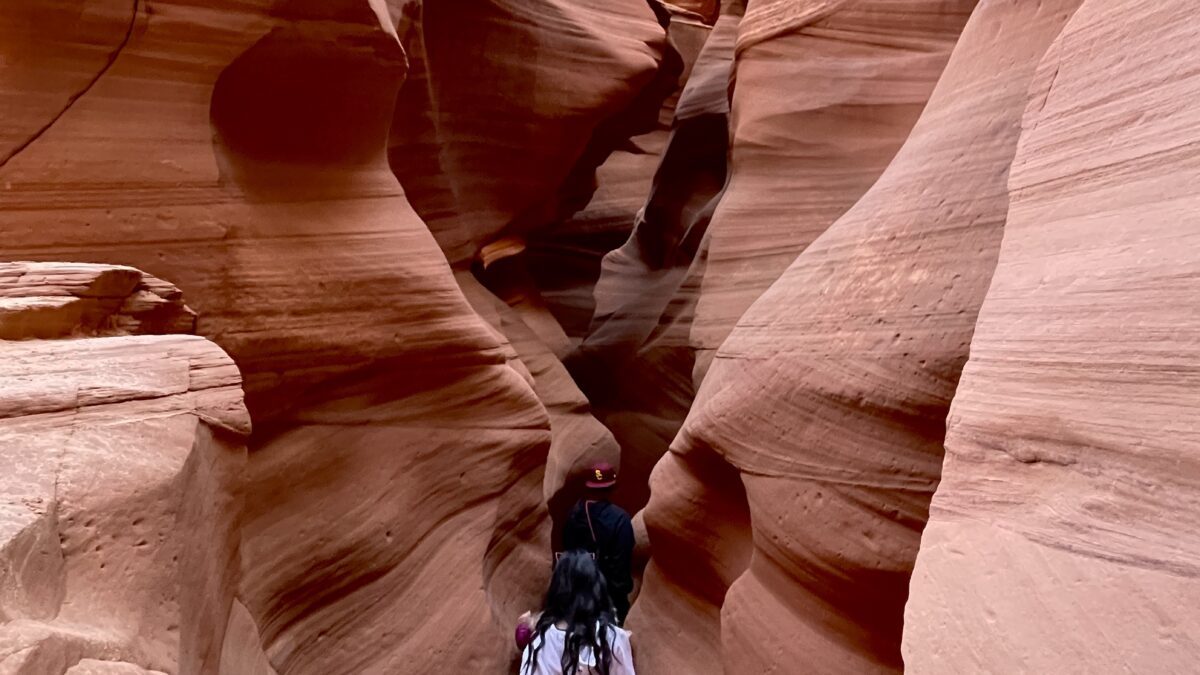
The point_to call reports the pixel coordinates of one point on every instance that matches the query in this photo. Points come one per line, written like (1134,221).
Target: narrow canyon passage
(315,315)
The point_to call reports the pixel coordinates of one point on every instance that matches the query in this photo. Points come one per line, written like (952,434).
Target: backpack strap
(588,515)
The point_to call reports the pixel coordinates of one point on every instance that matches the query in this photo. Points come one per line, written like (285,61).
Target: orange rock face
(120,496)
(497,137)
(1063,529)
(239,152)
(445,256)
(828,398)
(824,95)
(512,106)
(634,359)
(783,191)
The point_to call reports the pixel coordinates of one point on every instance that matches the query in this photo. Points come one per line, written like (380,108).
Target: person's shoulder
(621,518)
(618,634)
(575,515)
(615,512)
(619,641)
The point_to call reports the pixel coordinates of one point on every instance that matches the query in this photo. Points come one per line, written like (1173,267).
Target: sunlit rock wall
(237,149)
(1062,537)
(122,446)
(824,94)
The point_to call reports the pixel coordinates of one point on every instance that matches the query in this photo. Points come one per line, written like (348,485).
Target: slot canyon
(315,314)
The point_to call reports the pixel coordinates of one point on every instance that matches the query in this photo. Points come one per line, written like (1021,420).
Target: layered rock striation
(123,447)
(829,396)
(239,150)
(1061,538)
(824,94)
(634,360)
(842,258)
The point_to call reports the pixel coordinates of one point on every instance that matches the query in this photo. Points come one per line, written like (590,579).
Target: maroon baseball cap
(602,475)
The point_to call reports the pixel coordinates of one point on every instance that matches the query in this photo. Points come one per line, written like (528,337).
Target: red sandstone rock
(512,106)
(497,136)
(53,51)
(635,361)
(689,574)
(825,93)
(1063,535)
(638,363)
(94,667)
(416,427)
(56,300)
(564,260)
(706,10)
(120,495)
(829,396)
(548,483)
(238,150)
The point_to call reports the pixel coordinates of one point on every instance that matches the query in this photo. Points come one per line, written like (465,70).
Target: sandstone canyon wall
(828,398)
(801,154)
(459,250)
(512,106)
(119,500)
(824,95)
(237,149)
(497,138)
(634,358)
(1062,537)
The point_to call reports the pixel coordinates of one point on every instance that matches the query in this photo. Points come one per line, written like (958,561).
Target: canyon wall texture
(634,357)
(828,398)
(813,146)
(122,446)
(497,137)
(824,95)
(513,105)
(237,149)
(884,308)
(1062,537)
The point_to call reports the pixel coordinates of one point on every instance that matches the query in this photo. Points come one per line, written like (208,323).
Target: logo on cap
(603,474)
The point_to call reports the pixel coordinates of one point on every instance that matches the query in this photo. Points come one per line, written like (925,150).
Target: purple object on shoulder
(524,634)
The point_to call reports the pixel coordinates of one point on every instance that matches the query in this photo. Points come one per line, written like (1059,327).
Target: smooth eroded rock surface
(460,250)
(828,398)
(121,492)
(1062,537)
(238,149)
(824,94)
(512,117)
(634,361)
(57,300)
(511,106)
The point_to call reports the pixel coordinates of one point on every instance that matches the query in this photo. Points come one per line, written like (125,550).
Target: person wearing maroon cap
(604,529)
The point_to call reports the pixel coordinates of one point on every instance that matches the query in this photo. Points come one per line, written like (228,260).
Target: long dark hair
(578,596)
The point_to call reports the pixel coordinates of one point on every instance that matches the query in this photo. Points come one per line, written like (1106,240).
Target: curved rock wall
(646,299)
(824,95)
(497,137)
(546,485)
(634,360)
(829,396)
(54,51)
(1062,536)
(416,364)
(237,149)
(513,105)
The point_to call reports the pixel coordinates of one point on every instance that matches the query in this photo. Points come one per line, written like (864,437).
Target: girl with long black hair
(577,633)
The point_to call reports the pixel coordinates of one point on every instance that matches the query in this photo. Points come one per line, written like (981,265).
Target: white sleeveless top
(549,659)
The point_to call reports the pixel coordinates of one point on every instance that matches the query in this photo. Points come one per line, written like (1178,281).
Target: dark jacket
(610,537)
